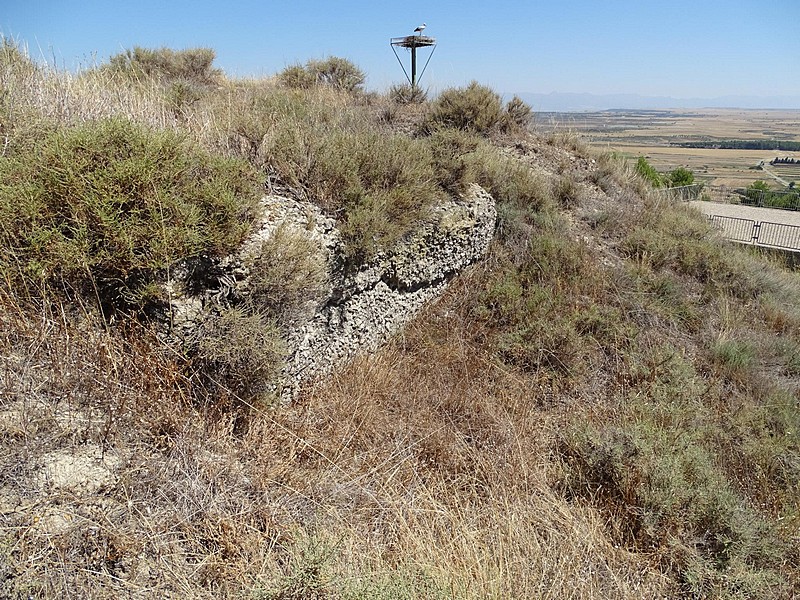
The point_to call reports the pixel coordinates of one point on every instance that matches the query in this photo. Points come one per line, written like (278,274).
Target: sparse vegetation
(605,407)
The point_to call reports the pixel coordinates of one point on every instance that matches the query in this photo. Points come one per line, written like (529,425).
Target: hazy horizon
(583,102)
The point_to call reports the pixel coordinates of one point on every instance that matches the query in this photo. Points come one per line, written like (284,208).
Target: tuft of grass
(567,192)
(407,94)
(569,139)
(734,356)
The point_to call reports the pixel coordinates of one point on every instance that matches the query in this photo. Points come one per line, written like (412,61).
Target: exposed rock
(354,312)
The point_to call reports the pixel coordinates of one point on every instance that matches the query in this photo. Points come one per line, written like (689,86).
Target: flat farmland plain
(657,135)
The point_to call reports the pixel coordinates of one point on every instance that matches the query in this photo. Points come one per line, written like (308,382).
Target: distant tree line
(784,161)
(744,145)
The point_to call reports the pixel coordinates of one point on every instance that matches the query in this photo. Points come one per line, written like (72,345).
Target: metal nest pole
(412,42)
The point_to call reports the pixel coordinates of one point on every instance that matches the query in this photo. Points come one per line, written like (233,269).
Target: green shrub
(680,177)
(112,206)
(755,193)
(648,173)
(194,65)
(475,108)
(760,194)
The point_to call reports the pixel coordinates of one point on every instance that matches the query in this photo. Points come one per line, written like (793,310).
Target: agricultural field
(657,135)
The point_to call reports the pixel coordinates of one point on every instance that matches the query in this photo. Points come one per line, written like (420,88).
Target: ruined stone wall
(356,312)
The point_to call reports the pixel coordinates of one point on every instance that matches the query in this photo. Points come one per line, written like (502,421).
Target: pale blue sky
(680,48)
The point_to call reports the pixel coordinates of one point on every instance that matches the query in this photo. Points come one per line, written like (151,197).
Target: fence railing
(685,193)
(759,233)
(734,228)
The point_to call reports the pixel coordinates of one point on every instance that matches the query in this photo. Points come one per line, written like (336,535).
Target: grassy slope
(607,406)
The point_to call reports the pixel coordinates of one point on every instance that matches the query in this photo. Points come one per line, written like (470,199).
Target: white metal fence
(760,233)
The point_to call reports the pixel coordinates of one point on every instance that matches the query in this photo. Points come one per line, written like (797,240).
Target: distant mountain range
(567,102)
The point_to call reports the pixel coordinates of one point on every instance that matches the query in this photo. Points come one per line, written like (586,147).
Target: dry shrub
(407,94)
(335,72)
(242,347)
(191,66)
(517,117)
(290,276)
(475,108)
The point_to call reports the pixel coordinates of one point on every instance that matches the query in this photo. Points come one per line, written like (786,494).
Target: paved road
(756,213)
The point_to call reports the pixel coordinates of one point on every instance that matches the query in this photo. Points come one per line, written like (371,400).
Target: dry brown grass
(440,461)
(419,472)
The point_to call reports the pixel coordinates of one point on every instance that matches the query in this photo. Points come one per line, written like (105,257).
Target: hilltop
(603,403)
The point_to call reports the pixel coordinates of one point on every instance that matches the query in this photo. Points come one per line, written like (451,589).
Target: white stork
(419,29)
